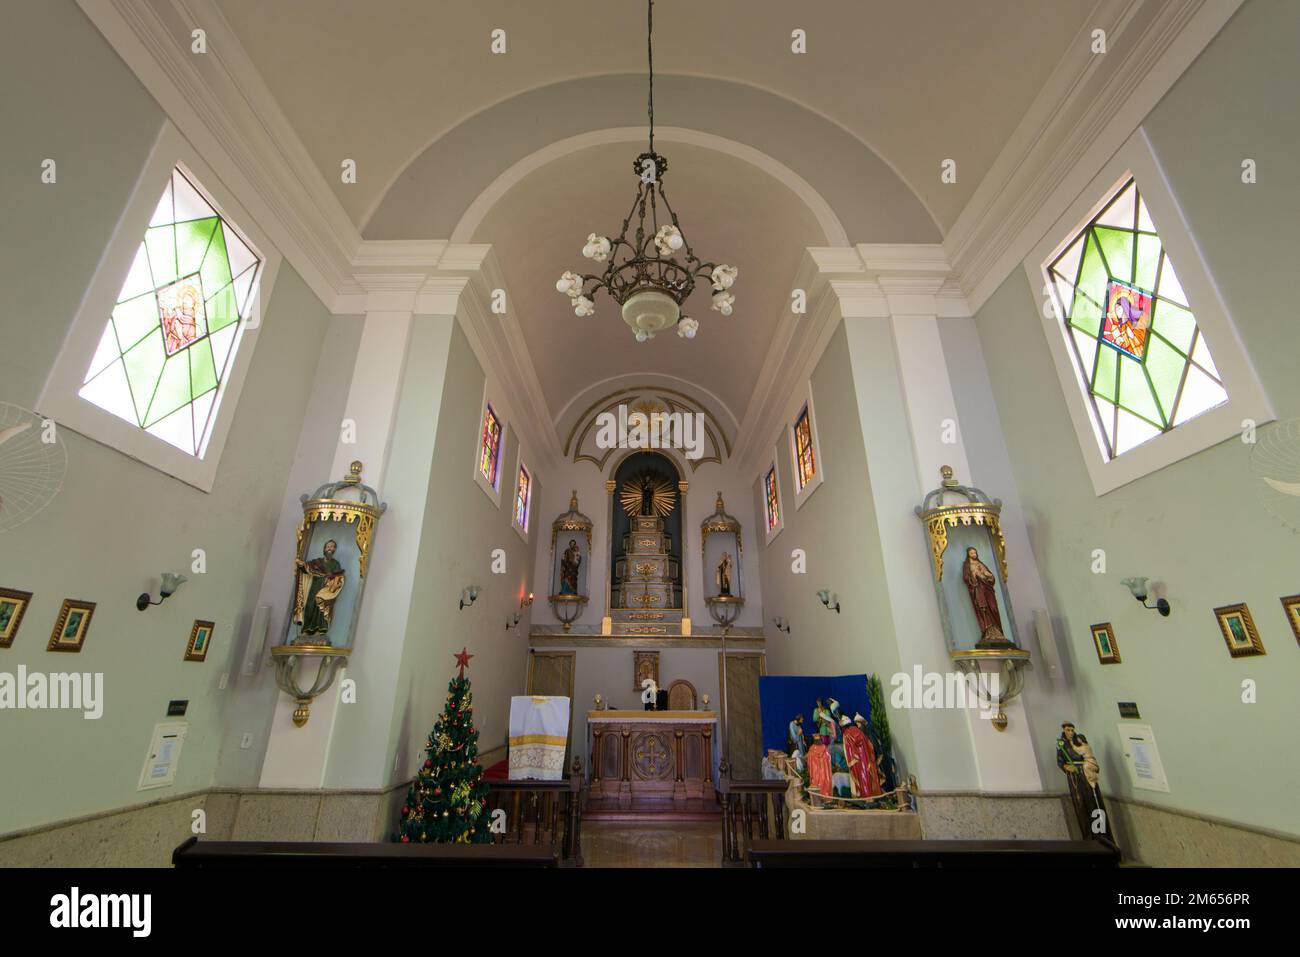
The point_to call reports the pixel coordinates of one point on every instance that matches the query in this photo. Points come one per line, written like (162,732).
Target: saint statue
(1075,757)
(824,716)
(723,576)
(984,599)
(820,783)
(570,561)
(794,742)
(319,583)
(864,772)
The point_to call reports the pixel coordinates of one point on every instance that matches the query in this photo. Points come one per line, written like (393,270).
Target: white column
(891,321)
(297,757)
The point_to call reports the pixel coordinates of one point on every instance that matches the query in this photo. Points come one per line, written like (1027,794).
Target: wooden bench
(333,856)
(938,854)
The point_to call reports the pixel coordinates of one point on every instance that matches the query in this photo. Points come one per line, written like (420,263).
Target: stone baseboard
(1160,837)
(992,817)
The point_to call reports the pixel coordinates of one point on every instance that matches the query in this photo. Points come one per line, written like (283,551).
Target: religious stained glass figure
(803,448)
(320,582)
(521,498)
(570,562)
(490,447)
(982,585)
(170,343)
(864,771)
(770,495)
(723,576)
(1137,349)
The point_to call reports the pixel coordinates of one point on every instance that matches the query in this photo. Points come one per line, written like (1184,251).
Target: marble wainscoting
(140,836)
(1160,837)
(969,815)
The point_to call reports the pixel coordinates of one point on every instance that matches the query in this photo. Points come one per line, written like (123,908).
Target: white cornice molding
(1088,108)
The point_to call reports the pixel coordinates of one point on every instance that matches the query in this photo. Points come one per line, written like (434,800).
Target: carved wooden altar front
(641,758)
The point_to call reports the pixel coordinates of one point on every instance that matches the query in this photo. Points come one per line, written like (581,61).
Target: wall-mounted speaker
(255,646)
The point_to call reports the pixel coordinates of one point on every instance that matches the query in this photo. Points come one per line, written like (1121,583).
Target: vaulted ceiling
(436,122)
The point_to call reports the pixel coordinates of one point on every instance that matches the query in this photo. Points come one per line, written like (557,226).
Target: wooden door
(551,673)
(744,727)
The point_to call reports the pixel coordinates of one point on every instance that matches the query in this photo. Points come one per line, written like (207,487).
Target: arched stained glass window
(1140,356)
(165,353)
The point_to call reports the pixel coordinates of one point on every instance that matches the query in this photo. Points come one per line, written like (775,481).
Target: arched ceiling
(917,81)
(729,210)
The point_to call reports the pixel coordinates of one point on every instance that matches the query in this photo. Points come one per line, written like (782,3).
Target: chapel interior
(660,433)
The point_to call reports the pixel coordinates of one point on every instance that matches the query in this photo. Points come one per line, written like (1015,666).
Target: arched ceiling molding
(647,380)
(832,228)
(431,193)
(580,444)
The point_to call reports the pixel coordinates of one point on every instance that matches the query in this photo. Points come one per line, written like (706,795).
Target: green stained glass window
(170,342)
(1128,325)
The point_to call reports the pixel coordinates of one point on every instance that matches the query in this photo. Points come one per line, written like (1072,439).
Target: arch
(832,229)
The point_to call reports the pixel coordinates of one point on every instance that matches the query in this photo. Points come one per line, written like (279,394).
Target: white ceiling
(887,91)
(918,81)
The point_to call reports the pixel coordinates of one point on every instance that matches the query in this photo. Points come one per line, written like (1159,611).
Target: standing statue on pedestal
(570,561)
(982,586)
(723,576)
(1075,757)
(320,581)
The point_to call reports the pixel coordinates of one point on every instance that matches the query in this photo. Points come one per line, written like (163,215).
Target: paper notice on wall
(1142,757)
(164,755)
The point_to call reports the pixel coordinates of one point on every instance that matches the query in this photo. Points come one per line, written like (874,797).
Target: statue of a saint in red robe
(984,599)
(819,772)
(861,757)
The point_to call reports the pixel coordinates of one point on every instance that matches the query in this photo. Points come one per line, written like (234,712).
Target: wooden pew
(334,856)
(927,854)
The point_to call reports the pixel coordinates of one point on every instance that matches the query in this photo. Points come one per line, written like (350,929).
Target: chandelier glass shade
(649,269)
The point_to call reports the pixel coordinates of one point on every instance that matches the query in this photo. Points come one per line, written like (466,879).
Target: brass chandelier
(643,273)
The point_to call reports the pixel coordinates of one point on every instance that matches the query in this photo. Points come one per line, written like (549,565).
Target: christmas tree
(447,802)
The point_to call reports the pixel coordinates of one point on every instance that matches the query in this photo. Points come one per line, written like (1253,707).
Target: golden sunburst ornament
(650,489)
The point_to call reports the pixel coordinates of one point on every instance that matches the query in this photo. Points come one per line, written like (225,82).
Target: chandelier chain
(650,58)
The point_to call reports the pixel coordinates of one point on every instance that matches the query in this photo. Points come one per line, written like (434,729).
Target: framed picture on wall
(200,638)
(1239,631)
(1103,637)
(72,625)
(1290,604)
(12,605)
(645,664)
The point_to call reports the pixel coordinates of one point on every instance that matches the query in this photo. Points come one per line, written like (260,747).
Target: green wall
(117,523)
(1198,526)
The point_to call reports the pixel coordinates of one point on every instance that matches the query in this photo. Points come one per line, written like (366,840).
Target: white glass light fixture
(642,272)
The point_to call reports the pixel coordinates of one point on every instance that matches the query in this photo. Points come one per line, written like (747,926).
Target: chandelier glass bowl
(649,268)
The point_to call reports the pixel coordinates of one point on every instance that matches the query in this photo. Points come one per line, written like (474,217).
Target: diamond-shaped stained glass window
(171,340)
(1137,349)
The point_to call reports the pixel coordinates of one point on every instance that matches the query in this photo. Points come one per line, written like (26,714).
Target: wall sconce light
(170,582)
(831,601)
(781,625)
(512,621)
(468,596)
(526,601)
(1138,586)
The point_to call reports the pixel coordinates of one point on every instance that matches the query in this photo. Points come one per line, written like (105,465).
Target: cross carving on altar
(649,754)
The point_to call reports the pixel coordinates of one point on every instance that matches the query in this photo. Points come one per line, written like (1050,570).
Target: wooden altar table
(641,760)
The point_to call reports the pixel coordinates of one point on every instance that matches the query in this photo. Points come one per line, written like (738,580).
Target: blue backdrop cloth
(781,697)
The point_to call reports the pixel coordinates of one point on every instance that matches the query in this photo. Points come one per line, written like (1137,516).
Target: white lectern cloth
(539,732)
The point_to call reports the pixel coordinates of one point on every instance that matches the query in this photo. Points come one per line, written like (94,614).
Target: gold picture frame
(200,640)
(1291,605)
(72,625)
(645,664)
(1239,632)
(1103,639)
(13,603)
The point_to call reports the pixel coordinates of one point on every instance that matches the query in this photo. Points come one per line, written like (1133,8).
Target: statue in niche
(320,581)
(723,576)
(982,586)
(570,561)
(1074,756)
(647,494)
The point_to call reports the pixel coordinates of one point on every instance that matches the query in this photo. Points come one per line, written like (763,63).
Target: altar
(651,760)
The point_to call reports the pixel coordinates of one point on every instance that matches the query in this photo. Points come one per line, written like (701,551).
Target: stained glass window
(1135,343)
(770,497)
(489,460)
(806,465)
(522,493)
(168,348)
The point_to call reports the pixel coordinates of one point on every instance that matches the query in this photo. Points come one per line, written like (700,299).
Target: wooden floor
(651,844)
(666,811)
